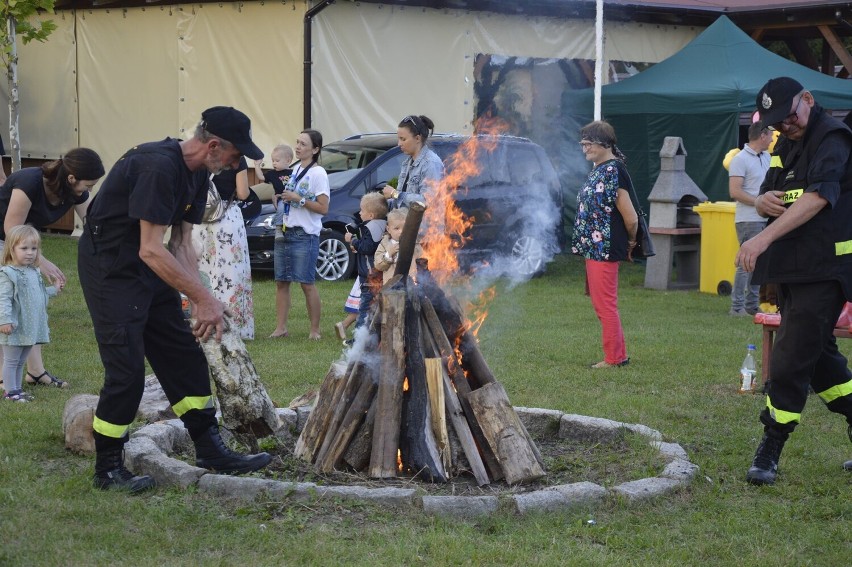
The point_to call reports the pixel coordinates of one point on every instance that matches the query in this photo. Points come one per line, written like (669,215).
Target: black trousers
(137,316)
(805,354)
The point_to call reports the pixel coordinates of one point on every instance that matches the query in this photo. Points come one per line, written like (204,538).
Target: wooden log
(461,427)
(435,385)
(459,388)
(247,410)
(389,396)
(474,364)
(313,433)
(418,446)
(351,421)
(348,392)
(505,434)
(408,238)
(357,454)
(77,418)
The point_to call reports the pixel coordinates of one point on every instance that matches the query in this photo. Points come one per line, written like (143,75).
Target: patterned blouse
(599,232)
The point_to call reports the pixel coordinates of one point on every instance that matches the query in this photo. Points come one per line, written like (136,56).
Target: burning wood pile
(416,397)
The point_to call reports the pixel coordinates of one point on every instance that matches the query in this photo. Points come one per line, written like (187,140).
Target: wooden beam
(837,47)
(802,52)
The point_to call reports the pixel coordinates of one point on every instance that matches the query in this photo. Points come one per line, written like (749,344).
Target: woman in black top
(40,196)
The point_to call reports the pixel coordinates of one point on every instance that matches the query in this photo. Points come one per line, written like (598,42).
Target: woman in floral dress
(222,251)
(605,233)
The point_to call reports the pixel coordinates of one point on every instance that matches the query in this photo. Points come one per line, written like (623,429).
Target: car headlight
(264,221)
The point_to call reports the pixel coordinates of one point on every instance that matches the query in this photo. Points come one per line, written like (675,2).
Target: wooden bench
(770,323)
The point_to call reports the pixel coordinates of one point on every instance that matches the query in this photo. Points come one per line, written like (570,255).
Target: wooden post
(467,430)
(408,238)
(247,410)
(348,392)
(418,446)
(357,454)
(313,432)
(462,388)
(351,421)
(435,384)
(505,433)
(389,396)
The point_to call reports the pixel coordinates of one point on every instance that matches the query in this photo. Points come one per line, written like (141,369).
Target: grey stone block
(680,470)
(288,418)
(161,434)
(640,429)
(180,435)
(547,500)
(389,495)
(585,428)
(460,506)
(579,493)
(560,497)
(138,446)
(248,489)
(646,488)
(540,423)
(672,451)
(168,471)
(302,414)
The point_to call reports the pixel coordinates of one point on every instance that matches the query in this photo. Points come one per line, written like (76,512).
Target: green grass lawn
(539,339)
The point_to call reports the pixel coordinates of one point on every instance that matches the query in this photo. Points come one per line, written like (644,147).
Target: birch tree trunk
(12,76)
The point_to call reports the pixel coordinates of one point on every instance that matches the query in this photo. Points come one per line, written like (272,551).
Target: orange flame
(445,225)
(478,310)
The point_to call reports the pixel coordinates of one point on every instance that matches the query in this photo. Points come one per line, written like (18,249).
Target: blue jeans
(744,295)
(364,306)
(295,256)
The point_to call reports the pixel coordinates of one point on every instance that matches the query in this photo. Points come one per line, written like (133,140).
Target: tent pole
(599,39)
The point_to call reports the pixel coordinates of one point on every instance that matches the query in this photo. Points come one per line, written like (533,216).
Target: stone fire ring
(149,448)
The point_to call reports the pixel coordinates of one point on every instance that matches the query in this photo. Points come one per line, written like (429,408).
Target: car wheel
(335,262)
(527,256)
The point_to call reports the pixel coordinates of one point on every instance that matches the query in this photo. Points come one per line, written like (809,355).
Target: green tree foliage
(21,11)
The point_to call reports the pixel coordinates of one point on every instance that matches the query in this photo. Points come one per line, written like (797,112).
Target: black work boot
(110,473)
(211,453)
(764,467)
(848,464)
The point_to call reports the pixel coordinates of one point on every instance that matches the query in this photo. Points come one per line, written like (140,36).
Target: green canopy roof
(698,94)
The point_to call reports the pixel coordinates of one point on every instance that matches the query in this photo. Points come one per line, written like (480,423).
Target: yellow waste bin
(719,247)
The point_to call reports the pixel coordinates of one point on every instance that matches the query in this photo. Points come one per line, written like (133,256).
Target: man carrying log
(131,282)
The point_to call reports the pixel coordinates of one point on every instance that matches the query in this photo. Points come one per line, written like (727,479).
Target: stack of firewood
(417,398)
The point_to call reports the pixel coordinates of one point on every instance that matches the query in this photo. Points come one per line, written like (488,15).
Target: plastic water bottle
(748,373)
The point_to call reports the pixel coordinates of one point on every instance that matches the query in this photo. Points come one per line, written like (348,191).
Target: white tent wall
(111,78)
(131,98)
(47,90)
(375,63)
(141,74)
(175,61)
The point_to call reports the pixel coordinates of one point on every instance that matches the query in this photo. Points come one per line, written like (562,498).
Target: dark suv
(515,201)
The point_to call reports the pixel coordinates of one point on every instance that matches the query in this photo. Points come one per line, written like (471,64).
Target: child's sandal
(46,379)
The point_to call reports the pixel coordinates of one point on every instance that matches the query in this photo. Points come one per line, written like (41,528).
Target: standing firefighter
(807,250)
(131,282)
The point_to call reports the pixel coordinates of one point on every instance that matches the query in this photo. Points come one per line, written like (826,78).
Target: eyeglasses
(792,118)
(586,145)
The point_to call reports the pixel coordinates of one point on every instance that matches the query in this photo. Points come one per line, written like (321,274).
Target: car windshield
(337,158)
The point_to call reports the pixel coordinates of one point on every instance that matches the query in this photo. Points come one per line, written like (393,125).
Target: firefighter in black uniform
(131,282)
(807,250)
